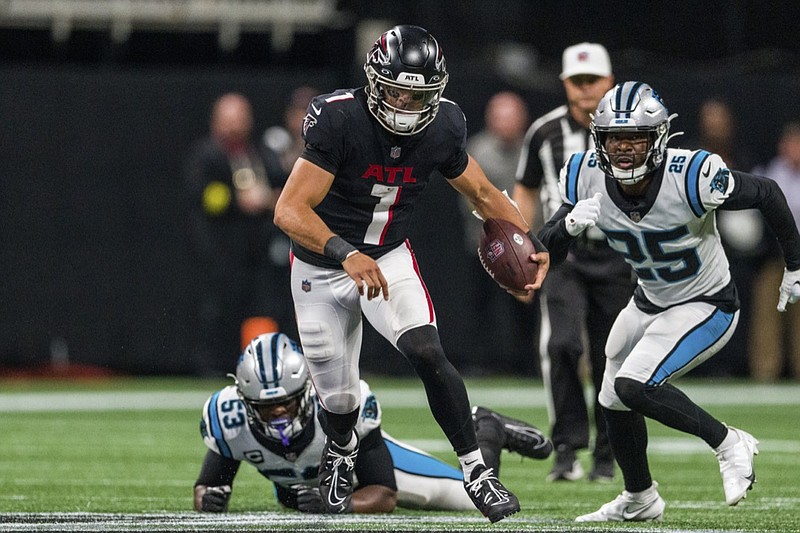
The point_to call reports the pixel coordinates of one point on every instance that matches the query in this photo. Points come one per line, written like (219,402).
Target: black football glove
(215,499)
(309,500)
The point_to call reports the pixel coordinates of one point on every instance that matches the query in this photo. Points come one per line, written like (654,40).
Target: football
(505,252)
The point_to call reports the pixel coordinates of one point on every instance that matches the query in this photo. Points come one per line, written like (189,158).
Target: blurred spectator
(774,342)
(718,134)
(242,257)
(581,297)
(496,148)
(741,231)
(287,140)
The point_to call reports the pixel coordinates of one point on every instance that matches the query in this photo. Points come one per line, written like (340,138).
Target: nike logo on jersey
(707,171)
(316,109)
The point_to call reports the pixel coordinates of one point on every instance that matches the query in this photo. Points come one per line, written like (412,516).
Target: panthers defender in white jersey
(656,207)
(268,419)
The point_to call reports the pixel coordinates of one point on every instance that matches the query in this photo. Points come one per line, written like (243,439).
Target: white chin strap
(628,177)
(402,122)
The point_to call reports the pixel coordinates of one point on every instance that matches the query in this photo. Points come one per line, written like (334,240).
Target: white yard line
(497,397)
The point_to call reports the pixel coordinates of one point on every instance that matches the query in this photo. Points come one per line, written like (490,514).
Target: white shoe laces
(474,486)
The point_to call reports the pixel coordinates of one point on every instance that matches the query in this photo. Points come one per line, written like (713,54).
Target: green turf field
(124,454)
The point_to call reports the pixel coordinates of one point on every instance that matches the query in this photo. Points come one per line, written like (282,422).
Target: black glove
(309,500)
(215,499)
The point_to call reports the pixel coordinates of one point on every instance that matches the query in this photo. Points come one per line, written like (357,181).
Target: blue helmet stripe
(573,169)
(694,343)
(631,97)
(692,184)
(216,427)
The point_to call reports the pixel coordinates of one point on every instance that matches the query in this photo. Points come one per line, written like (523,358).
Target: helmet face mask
(272,381)
(631,108)
(406,76)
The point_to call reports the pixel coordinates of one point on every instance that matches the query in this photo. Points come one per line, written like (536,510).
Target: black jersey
(377,176)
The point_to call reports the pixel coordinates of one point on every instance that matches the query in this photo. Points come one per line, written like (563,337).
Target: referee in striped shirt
(581,298)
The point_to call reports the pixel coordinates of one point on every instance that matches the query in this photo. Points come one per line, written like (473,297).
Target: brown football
(505,252)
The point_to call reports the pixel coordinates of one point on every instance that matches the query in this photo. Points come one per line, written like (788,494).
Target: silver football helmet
(272,372)
(631,106)
(405,58)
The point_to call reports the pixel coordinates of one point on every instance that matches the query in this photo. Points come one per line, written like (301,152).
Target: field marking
(498,397)
(275,521)
(656,445)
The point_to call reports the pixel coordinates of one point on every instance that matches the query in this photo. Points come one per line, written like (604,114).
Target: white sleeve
(715,181)
(369,417)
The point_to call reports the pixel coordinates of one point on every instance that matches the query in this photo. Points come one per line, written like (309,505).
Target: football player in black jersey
(347,206)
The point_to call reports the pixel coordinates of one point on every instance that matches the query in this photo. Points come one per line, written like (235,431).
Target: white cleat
(736,467)
(630,507)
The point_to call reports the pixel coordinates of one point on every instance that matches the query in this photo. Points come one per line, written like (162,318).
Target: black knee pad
(631,392)
(422,348)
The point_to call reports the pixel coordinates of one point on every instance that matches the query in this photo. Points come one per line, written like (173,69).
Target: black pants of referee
(576,295)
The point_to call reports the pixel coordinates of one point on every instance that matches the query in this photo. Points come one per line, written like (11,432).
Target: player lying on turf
(268,418)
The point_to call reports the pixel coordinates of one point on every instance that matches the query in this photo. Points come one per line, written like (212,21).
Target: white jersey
(669,236)
(423,481)
(227,433)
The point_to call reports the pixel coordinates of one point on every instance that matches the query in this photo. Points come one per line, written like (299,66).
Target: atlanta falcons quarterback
(656,206)
(347,206)
(268,419)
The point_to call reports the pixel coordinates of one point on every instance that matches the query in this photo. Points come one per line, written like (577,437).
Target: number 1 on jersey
(382,214)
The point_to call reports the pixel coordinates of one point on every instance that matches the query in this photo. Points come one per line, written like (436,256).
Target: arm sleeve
(554,235)
(217,470)
(375,465)
(765,195)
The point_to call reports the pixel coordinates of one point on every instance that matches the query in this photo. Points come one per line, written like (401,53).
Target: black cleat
(521,437)
(336,477)
(489,495)
(567,467)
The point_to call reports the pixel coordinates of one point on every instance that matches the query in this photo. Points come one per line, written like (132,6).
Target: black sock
(338,427)
(627,433)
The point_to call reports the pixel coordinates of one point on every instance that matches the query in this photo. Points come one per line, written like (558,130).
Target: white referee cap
(585,58)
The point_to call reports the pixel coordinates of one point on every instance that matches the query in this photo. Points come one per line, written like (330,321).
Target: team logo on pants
(305,285)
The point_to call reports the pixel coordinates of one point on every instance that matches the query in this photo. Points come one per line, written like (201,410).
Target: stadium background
(95,123)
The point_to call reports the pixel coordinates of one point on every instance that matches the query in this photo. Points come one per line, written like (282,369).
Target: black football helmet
(405,58)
